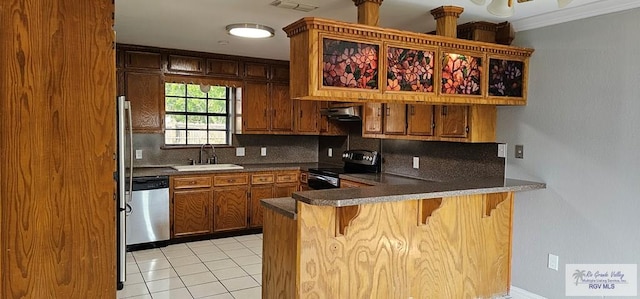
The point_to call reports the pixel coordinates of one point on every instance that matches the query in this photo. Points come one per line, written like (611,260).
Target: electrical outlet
(553,262)
(502,150)
(138,154)
(519,151)
(416,162)
(330,152)
(239,151)
(263,151)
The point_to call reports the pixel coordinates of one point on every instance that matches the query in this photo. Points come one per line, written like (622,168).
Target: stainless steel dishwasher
(148,212)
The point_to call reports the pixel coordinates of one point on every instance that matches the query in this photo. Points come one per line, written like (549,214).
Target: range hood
(342,113)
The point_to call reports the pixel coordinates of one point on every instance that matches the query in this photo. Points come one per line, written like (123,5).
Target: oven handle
(313,176)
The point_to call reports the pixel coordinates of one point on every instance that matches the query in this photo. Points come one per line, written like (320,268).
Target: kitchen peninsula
(423,240)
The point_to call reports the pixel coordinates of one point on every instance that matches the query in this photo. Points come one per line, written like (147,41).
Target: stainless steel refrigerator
(124,181)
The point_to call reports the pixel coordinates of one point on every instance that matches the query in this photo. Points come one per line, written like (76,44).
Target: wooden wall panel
(57,142)
(279,274)
(385,253)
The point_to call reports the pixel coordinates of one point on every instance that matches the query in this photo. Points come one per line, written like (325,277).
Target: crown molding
(574,13)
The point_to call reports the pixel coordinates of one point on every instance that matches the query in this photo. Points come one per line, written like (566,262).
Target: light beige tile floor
(228,268)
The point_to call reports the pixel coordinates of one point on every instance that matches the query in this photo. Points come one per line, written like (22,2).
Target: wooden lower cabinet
(285,190)
(206,204)
(230,208)
(351,184)
(192,212)
(258,193)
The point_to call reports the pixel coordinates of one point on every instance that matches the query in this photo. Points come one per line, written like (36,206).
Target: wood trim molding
(359,2)
(447,11)
(311,23)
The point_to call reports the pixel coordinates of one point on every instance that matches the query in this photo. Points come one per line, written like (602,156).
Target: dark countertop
(423,190)
(375,179)
(167,170)
(283,205)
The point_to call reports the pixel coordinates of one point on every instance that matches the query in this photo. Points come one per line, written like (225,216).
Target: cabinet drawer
(192,182)
(230,180)
(289,177)
(263,178)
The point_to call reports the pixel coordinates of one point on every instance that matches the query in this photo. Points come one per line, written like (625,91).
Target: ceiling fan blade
(500,8)
(523,1)
(479,2)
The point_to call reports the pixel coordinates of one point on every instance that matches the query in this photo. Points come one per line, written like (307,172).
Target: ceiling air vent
(293,5)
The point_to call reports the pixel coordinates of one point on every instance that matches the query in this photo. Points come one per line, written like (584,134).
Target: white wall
(581,135)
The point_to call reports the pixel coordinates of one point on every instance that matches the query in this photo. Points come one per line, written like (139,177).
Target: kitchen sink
(205,167)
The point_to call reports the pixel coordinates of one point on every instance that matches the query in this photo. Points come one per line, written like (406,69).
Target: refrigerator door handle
(127,107)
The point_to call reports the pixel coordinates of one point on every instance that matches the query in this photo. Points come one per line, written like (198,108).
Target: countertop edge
(282,205)
(511,185)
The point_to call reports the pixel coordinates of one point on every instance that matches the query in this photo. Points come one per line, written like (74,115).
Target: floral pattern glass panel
(506,78)
(461,74)
(410,70)
(349,64)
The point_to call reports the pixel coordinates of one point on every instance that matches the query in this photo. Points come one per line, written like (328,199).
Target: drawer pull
(231,181)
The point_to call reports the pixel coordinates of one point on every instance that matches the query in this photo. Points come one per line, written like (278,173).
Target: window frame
(228,99)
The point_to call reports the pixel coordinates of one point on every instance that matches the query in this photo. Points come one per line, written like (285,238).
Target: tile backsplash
(442,161)
(280,149)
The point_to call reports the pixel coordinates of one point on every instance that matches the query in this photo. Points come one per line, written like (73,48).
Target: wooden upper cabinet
(254,70)
(452,121)
(145,91)
(177,63)
(255,107)
(280,73)
(281,108)
(308,114)
(329,127)
(143,60)
(230,208)
(372,118)
(223,67)
(420,120)
(192,212)
(395,119)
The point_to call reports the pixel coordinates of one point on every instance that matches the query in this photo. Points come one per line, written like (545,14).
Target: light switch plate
(553,262)
(519,151)
(239,151)
(330,152)
(416,162)
(138,154)
(263,151)
(502,150)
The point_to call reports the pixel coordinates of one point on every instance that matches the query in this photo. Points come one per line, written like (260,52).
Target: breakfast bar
(423,240)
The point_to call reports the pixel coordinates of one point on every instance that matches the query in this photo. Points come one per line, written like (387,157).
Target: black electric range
(355,161)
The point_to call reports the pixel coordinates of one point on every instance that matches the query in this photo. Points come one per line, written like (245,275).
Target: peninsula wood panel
(280,278)
(57,211)
(385,253)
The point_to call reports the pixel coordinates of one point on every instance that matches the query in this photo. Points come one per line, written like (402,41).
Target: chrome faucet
(211,160)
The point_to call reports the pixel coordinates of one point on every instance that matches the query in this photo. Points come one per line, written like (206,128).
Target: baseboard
(518,293)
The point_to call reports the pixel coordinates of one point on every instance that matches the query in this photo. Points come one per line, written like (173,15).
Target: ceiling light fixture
(505,8)
(250,30)
(293,5)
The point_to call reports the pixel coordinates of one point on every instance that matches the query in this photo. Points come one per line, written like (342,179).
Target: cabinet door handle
(413,110)
(388,111)
(379,111)
(444,110)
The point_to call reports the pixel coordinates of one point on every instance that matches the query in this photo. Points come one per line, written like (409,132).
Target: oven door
(318,182)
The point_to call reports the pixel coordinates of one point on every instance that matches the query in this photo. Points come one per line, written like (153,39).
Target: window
(194,117)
